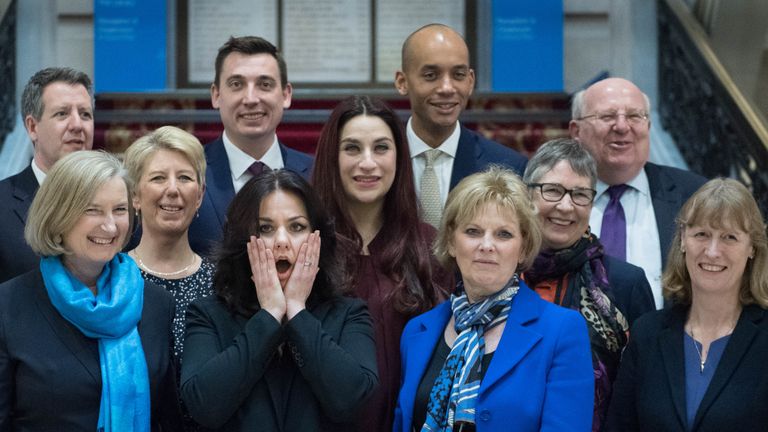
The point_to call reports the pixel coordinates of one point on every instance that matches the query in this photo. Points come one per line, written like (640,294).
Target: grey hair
(561,149)
(32,97)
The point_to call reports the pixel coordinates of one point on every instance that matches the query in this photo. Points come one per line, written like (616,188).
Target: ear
(451,249)
(200,198)
(472,81)
(215,96)
(287,94)
(401,84)
(574,129)
(136,202)
(31,124)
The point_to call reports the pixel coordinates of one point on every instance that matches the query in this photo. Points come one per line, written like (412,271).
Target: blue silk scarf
(111,316)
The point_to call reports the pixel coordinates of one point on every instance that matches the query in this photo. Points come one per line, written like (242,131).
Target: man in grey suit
(611,119)
(438,80)
(57,110)
(250,90)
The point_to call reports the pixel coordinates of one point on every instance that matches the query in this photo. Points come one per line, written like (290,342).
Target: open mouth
(170,208)
(712,267)
(101,241)
(282,265)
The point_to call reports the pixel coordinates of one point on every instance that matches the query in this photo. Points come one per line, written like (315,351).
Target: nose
(281,239)
(486,243)
(713,248)
(75,122)
(622,124)
(366,160)
(565,203)
(251,95)
(446,85)
(109,225)
(173,186)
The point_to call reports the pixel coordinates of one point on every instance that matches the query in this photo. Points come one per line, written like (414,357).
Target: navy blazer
(629,288)
(50,378)
(649,393)
(16,194)
(540,377)
(475,153)
(670,189)
(207,228)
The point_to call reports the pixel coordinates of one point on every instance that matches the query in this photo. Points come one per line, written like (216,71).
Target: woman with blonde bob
(700,365)
(84,341)
(168,168)
(496,356)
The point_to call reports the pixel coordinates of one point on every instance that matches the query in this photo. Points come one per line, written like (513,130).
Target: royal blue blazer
(540,377)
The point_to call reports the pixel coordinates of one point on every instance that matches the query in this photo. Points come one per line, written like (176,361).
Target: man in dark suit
(438,81)
(250,90)
(611,119)
(57,109)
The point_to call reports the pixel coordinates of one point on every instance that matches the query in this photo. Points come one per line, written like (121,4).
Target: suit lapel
(737,347)
(467,154)
(294,163)
(24,188)
(666,204)
(74,340)
(218,179)
(516,340)
(671,344)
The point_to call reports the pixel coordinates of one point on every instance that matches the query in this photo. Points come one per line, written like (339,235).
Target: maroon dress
(388,324)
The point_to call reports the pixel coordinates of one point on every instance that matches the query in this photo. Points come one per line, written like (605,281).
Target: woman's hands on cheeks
(264,275)
(272,298)
(302,278)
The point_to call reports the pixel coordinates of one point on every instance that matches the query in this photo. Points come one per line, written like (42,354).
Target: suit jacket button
(485,415)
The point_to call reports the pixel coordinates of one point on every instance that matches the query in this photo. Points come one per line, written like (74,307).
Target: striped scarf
(454,395)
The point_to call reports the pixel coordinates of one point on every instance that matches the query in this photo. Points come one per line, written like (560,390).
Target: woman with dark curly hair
(277,348)
(363,173)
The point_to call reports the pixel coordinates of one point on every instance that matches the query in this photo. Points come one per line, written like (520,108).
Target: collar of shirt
(39,174)
(639,184)
(417,146)
(239,161)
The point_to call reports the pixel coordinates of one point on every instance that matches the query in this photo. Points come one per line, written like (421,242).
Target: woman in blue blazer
(701,364)
(496,356)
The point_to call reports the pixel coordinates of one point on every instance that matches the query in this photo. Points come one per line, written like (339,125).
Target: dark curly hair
(232,281)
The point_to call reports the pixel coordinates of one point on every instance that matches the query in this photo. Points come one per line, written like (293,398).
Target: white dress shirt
(239,161)
(643,246)
(443,164)
(39,174)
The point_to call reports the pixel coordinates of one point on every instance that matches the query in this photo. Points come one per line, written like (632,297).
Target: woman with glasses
(571,269)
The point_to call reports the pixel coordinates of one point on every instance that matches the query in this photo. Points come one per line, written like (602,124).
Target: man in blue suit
(611,119)
(438,80)
(250,90)
(57,109)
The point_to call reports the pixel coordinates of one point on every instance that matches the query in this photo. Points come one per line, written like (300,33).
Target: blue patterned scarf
(111,317)
(454,395)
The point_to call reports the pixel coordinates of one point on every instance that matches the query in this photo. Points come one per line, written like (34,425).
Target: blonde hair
(165,138)
(64,196)
(720,203)
(498,186)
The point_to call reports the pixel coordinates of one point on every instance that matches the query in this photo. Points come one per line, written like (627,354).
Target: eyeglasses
(554,192)
(611,117)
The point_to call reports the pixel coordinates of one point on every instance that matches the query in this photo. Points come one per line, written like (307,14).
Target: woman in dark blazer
(85,343)
(572,271)
(701,365)
(276,348)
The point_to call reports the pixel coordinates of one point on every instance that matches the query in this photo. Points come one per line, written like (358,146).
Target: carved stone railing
(718,131)
(7,70)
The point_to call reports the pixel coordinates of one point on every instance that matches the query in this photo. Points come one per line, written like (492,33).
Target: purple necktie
(613,234)
(257,168)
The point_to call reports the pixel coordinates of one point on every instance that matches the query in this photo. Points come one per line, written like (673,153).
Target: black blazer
(629,288)
(649,393)
(670,189)
(232,378)
(475,153)
(206,229)
(16,194)
(50,377)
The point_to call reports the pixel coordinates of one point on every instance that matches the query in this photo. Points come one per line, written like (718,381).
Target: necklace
(163,274)
(702,360)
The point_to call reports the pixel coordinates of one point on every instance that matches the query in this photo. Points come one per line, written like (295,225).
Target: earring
(682,250)
(198,214)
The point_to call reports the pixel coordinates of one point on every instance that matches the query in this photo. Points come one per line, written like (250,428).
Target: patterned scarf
(589,293)
(454,395)
(111,316)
